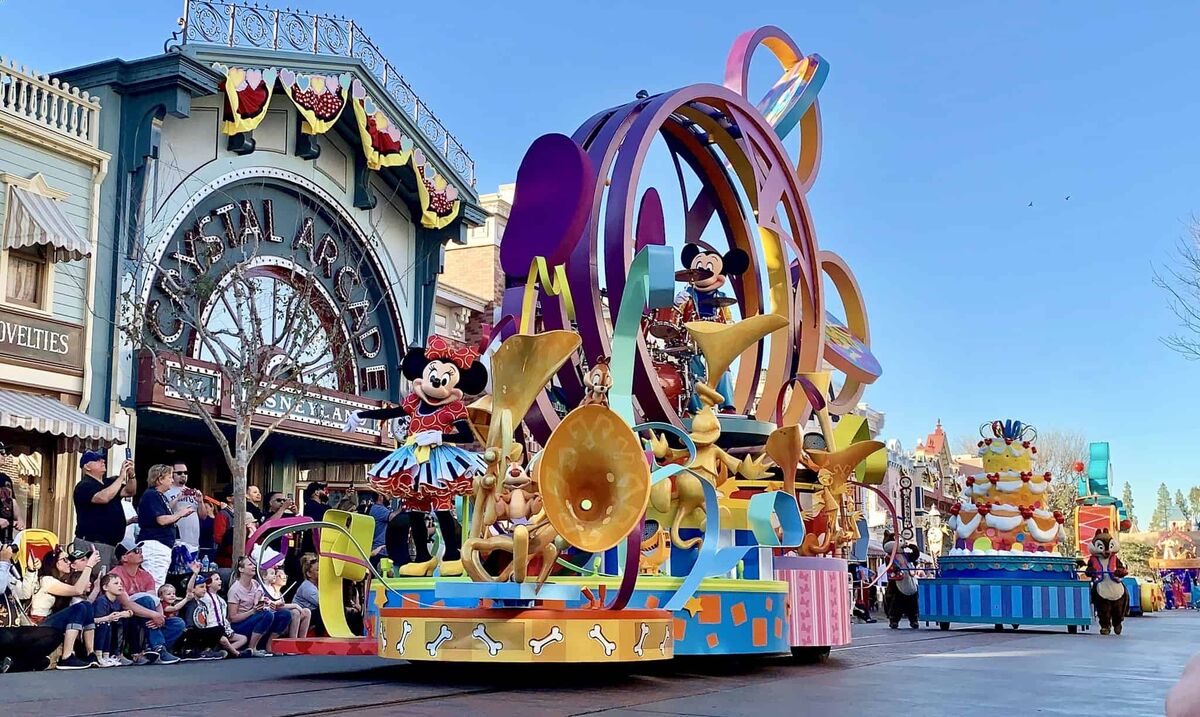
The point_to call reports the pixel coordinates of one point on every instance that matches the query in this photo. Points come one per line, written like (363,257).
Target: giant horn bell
(722,343)
(521,368)
(594,479)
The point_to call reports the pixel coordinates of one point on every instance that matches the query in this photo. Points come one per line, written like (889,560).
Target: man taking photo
(100,519)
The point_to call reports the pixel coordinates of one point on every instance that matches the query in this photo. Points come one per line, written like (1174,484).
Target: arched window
(287,319)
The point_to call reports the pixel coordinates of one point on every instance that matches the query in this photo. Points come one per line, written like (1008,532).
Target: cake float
(1004,510)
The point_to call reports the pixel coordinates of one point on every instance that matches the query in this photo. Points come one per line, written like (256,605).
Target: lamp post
(934,532)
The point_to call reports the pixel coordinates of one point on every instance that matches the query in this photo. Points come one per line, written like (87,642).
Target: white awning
(43,414)
(36,220)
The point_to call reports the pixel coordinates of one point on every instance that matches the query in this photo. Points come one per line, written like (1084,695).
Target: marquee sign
(283,232)
(310,412)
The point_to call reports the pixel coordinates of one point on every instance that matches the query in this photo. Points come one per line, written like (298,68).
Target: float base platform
(524,636)
(723,617)
(993,601)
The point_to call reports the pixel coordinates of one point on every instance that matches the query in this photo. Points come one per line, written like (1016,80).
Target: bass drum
(671,380)
(1110,589)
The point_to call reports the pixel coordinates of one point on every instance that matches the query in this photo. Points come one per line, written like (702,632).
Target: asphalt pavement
(927,672)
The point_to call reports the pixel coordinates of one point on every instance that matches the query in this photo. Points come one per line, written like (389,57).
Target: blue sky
(942,123)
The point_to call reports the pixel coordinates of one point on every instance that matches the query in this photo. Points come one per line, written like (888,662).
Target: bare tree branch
(1182,283)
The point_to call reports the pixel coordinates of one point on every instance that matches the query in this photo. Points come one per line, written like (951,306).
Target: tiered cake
(1003,511)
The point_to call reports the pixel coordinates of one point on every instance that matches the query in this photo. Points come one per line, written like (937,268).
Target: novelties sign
(40,340)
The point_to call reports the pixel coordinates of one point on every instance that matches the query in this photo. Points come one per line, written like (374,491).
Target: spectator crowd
(157,583)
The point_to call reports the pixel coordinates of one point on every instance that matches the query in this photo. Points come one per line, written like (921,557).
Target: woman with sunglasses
(59,603)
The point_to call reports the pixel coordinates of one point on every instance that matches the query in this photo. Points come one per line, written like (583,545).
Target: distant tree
(1136,557)
(1194,501)
(1162,508)
(1183,505)
(967,445)
(1057,450)
(1127,499)
(1182,281)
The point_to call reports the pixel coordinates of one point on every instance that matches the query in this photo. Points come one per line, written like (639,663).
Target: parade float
(1178,567)
(1096,509)
(1006,567)
(660,472)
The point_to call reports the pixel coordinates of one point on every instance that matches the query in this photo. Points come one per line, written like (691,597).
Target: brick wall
(476,270)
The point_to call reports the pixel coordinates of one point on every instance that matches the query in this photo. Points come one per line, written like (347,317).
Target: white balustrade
(48,102)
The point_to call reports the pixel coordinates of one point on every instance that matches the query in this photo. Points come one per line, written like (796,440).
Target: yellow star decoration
(693,606)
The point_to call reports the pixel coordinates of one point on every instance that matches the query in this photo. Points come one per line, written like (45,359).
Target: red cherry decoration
(1033,450)
(1025,477)
(970,480)
(1025,444)
(1026,511)
(994,478)
(980,444)
(956,509)
(1059,518)
(1047,476)
(988,441)
(1008,441)
(983,508)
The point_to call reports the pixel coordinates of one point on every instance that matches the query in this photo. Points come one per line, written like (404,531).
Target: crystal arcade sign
(281,231)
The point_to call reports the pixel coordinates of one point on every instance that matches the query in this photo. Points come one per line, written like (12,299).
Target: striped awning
(36,220)
(43,414)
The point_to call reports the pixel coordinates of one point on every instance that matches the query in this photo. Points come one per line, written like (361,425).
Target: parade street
(924,672)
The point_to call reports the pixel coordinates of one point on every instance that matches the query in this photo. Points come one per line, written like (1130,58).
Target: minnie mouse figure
(703,300)
(428,470)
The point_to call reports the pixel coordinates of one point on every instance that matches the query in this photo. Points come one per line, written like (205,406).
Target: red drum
(671,380)
(665,323)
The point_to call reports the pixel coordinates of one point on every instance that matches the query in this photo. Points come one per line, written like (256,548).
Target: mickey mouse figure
(428,470)
(703,300)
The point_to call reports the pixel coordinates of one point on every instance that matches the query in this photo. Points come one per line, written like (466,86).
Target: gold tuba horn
(594,478)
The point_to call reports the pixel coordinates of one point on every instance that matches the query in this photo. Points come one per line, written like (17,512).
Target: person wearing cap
(99,518)
(140,598)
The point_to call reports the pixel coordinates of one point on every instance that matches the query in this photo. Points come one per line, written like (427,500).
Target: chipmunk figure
(1106,570)
(597,383)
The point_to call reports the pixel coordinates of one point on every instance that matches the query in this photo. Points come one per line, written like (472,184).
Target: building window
(26,282)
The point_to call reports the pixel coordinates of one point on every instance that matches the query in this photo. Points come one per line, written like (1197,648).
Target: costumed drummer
(703,300)
(428,471)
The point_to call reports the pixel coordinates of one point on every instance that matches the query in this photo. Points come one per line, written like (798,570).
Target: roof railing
(247,25)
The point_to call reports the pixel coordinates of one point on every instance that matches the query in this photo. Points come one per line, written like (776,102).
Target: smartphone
(118,457)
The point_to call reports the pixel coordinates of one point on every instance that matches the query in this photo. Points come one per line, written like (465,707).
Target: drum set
(671,347)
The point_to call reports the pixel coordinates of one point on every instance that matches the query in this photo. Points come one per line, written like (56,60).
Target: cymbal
(684,350)
(690,275)
(723,301)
